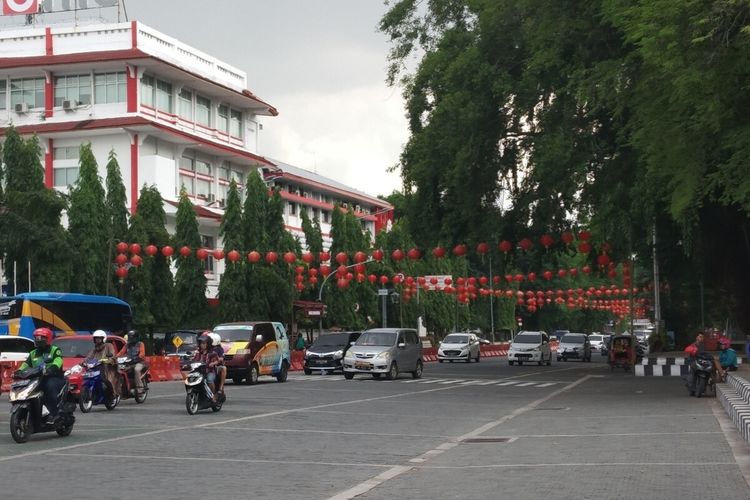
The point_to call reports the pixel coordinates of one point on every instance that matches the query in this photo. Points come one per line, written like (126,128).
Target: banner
(20,7)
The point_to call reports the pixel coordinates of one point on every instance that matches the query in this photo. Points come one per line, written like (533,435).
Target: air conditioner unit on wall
(70,105)
(22,107)
(211,197)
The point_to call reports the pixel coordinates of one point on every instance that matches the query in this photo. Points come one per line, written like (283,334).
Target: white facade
(173,115)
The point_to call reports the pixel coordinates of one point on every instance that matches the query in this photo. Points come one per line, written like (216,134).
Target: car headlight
(349,355)
(338,354)
(383,355)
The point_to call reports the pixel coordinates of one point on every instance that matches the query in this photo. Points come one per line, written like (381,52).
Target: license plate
(361,365)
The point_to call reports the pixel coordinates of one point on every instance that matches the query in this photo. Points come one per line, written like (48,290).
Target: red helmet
(44,332)
(691,351)
(725,343)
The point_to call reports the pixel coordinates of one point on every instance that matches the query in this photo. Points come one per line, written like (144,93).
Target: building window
(239,177)
(164,96)
(66,153)
(221,196)
(3,94)
(224,171)
(65,176)
(185,104)
(187,163)
(325,215)
(73,88)
(27,90)
(110,87)
(203,111)
(223,124)
(208,243)
(188,182)
(202,188)
(315,214)
(202,167)
(147,90)
(292,208)
(235,123)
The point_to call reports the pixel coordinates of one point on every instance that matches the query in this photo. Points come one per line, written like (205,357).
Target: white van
(530,347)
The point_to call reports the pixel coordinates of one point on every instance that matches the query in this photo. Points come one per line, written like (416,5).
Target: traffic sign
(177,341)
(383,291)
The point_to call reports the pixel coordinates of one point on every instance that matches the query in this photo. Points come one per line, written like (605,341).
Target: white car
(530,347)
(459,347)
(15,348)
(596,342)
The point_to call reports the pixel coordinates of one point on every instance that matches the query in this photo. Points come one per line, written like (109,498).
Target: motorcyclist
(102,351)
(727,358)
(221,370)
(50,358)
(136,351)
(206,355)
(692,352)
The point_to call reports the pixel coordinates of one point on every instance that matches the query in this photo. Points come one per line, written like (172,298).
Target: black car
(327,351)
(165,343)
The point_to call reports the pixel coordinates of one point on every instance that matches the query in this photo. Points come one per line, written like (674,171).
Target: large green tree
(254,236)
(280,276)
(190,279)
(117,215)
(89,228)
(233,304)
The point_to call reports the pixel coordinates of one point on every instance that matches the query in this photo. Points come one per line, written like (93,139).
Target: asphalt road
(479,430)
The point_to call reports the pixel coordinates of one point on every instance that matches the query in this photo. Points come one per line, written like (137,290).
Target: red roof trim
(200,211)
(372,201)
(54,60)
(320,204)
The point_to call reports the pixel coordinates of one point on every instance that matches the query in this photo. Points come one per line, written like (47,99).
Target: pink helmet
(691,351)
(724,343)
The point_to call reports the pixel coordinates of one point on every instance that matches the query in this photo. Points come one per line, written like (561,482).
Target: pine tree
(280,275)
(232,290)
(116,213)
(254,236)
(190,280)
(88,227)
(340,300)
(313,234)
(156,300)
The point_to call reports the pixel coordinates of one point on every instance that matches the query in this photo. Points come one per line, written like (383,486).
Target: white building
(173,115)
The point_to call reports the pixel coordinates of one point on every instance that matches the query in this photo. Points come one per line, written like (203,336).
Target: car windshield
(332,339)
(528,338)
(234,333)
(573,338)
(16,344)
(377,339)
(596,338)
(456,339)
(74,348)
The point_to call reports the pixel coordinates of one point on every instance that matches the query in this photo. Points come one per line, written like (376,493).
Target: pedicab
(621,352)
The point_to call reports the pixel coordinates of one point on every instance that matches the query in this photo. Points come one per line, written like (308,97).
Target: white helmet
(215,339)
(100,334)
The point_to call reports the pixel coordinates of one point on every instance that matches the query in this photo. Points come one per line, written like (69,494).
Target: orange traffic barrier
(298,360)
(6,374)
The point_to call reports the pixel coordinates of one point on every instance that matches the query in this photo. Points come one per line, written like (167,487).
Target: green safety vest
(53,357)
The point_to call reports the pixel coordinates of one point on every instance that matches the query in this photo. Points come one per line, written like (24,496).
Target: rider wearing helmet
(728,356)
(105,352)
(50,358)
(692,352)
(136,351)
(206,355)
(221,370)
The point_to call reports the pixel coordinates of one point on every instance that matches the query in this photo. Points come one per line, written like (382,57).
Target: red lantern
(290,257)
(384,280)
(483,248)
(271,257)
(573,272)
(312,271)
(121,272)
(421,280)
(531,277)
(448,281)
(360,257)
(505,246)
(526,244)
(397,255)
(299,278)
(136,260)
(603,260)
(547,275)
(122,247)
(167,251)
(586,269)
(218,254)
(377,255)
(341,258)
(324,256)
(509,278)
(518,278)
(433,281)
(567,237)
(234,256)
(184,251)
(151,250)
(562,273)
(414,254)
(300,287)
(584,236)
(584,247)
(307,257)
(202,254)
(299,269)
(342,283)
(546,240)
(459,250)
(360,268)
(348,276)
(325,270)
(372,278)
(313,280)
(252,257)
(483,280)
(396,279)
(360,277)
(121,258)
(438,252)
(135,249)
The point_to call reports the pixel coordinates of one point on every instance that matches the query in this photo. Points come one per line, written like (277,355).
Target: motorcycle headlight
(383,355)
(338,354)
(25,393)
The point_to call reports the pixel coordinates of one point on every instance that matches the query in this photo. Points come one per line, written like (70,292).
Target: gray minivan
(385,351)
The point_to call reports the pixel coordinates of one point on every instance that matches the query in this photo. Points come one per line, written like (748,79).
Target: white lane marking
(450,381)
(510,382)
(469,382)
(343,433)
(547,384)
(214,459)
(429,380)
(576,464)
(413,380)
(526,384)
(487,382)
(211,424)
(369,484)
(544,436)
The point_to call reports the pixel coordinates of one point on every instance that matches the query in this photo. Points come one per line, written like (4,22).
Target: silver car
(385,351)
(459,346)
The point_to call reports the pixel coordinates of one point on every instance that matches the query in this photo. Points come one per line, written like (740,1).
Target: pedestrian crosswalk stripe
(487,382)
(526,384)
(511,382)
(450,381)
(547,384)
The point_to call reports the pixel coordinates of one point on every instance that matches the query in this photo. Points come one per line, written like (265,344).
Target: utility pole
(657,300)
(492,297)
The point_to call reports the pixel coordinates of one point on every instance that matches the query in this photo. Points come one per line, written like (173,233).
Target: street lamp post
(320,292)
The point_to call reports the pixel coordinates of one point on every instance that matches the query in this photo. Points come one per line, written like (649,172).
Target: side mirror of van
(401,345)
(259,338)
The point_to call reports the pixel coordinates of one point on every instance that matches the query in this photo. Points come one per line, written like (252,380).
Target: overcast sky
(321,63)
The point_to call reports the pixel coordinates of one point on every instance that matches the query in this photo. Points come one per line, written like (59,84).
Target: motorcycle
(703,366)
(94,391)
(128,389)
(199,395)
(28,415)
